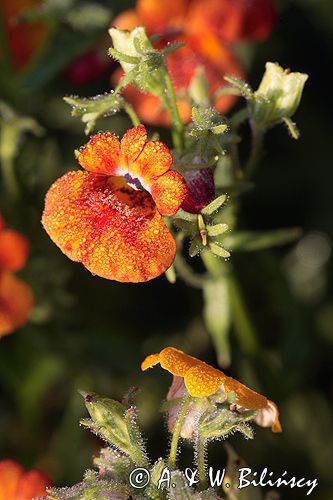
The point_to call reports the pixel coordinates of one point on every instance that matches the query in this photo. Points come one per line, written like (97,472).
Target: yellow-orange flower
(203,380)
(16,299)
(109,217)
(18,484)
(208,28)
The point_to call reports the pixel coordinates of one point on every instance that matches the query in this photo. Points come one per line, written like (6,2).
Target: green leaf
(219,250)
(253,241)
(214,205)
(222,422)
(92,108)
(217,230)
(114,423)
(242,86)
(292,128)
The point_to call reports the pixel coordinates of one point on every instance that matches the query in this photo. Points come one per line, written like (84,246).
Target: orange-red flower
(15,295)
(207,27)
(23,39)
(18,484)
(203,380)
(109,217)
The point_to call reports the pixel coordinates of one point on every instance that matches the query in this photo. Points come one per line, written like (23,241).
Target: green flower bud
(278,95)
(126,42)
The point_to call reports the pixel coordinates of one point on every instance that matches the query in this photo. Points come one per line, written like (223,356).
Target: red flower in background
(208,27)
(23,39)
(15,295)
(109,216)
(18,484)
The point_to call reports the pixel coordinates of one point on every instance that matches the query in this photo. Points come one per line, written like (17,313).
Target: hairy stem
(256,150)
(201,460)
(176,433)
(131,113)
(178,126)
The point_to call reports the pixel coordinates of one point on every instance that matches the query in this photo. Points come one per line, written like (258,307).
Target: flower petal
(132,144)
(201,189)
(32,484)
(169,192)
(269,417)
(234,20)
(154,160)
(176,361)
(203,380)
(127,20)
(149,361)
(157,15)
(16,301)
(101,154)
(247,398)
(115,231)
(14,249)
(10,473)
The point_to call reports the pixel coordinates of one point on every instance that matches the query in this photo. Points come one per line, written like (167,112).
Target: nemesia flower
(24,39)
(208,28)
(109,216)
(202,380)
(15,295)
(18,484)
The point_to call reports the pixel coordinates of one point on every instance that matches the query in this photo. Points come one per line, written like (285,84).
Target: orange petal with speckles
(133,143)
(101,154)
(16,301)
(114,230)
(169,192)
(154,160)
(14,250)
(251,400)
(151,360)
(176,361)
(203,380)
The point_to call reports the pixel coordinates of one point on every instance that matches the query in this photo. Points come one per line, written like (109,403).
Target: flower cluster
(15,295)
(109,216)
(18,484)
(208,28)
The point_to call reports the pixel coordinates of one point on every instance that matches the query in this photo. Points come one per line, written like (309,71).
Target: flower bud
(278,95)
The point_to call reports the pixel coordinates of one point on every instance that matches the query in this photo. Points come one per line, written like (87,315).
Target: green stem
(9,177)
(201,461)
(176,433)
(256,150)
(178,126)
(131,113)
(241,318)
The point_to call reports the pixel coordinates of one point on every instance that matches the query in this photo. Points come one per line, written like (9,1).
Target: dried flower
(18,484)
(202,380)
(109,217)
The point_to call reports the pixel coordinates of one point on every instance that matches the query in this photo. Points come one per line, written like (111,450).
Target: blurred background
(86,332)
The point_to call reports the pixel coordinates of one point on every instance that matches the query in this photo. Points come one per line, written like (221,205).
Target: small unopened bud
(278,95)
